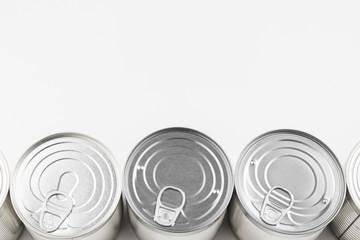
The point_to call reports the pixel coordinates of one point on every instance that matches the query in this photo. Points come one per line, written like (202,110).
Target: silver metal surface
(4,179)
(276,205)
(10,225)
(346,224)
(144,231)
(177,182)
(68,186)
(353,177)
(245,229)
(165,215)
(288,184)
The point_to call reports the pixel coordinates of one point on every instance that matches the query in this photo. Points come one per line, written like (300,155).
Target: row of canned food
(177,184)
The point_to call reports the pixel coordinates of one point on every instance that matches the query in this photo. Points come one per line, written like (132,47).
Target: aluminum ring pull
(165,215)
(54,214)
(277,203)
(58,203)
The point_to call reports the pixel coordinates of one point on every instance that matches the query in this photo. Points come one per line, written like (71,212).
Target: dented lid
(178,180)
(66,185)
(289,182)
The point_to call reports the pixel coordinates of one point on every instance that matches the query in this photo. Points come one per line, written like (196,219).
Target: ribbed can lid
(289,182)
(65,186)
(353,176)
(178,180)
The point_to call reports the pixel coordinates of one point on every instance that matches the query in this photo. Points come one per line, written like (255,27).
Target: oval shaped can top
(4,179)
(66,186)
(178,180)
(353,177)
(289,182)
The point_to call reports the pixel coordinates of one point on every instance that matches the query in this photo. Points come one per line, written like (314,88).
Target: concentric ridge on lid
(4,179)
(353,177)
(289,182)
(178,180)
(66,185)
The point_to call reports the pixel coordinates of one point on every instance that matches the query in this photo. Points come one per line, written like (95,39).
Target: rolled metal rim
(90,230)
(189,233)
(352,174)
(275,231)
(5,179)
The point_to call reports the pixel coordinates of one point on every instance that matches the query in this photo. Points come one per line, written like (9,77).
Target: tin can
(346,224)
(289,185)
(68,186)
(177,184)
(10,225)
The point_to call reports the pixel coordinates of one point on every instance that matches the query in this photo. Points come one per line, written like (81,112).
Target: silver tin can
(10,225)
(346,224)
(289,185)
(177,183)
(68,186)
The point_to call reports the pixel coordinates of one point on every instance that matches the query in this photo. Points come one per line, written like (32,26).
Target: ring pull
(55,211)
(58,203)
(277,203)
(165,215)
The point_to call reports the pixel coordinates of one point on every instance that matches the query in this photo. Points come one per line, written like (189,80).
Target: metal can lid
(178,180)
(4,179)
(289,182)
(353,177)
(66,186)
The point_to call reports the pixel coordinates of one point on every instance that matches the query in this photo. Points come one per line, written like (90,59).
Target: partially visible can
(177,183)
(68,186)
(289,185)
(346,224)
(10,225)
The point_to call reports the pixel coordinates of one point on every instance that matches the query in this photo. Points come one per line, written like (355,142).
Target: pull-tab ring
(53,215)
(164,215)
(276,205)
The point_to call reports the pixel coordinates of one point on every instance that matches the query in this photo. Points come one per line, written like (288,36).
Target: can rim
(5,179)
(209,221)
(182,233)
(350,178)
(268,229)
(91,229)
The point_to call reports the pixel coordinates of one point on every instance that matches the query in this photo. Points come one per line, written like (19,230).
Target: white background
(119,70)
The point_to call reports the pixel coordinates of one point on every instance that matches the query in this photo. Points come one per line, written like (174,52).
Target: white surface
(119,70)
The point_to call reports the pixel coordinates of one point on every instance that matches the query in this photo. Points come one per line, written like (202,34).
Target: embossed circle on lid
(353,176)
(178,180)
(289,182)
(65,186)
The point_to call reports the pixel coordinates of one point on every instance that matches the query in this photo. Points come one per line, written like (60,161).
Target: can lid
(353,176)
(4,179)
(66,186)
(289,182)
(178,180)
